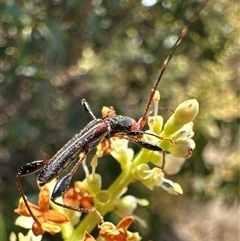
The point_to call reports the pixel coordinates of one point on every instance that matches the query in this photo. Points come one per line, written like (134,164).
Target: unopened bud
(155,123)
(184,113)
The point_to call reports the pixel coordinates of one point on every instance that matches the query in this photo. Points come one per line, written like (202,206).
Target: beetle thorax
(120,124)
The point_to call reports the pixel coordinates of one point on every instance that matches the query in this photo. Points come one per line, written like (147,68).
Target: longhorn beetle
(89,137)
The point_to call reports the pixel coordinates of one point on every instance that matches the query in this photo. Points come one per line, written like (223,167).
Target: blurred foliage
(54,53)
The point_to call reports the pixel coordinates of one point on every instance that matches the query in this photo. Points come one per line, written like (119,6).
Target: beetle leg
(146,145)
(140,133)
(143,144)
(62,186)
(27,170)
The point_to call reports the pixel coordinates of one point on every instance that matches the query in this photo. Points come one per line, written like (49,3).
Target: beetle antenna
(184,31)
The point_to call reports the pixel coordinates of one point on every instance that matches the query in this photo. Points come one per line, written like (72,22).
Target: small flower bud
(155,123)
(184,113)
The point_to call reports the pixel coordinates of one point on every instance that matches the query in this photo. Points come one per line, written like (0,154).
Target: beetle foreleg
(32,167)
(27,170)
(140,133)
(149,146)
(143,144)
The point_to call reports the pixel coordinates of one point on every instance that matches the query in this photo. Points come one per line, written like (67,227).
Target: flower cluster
(120,232)
(50,220)
(175,139)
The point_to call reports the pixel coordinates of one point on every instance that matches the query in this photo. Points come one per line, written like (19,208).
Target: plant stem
(115,190)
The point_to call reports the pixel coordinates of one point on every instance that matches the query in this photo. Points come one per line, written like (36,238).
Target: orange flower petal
(22,209)
(120,237)
(48,219)
(115,237)
(88,237)
(56,217)
(78,196)
(70,195)
(86,203)
(109,231)
(126,222)
(116,233)
(43,200)
(104,148)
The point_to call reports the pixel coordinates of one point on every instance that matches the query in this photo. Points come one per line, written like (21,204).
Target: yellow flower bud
(155,123)
(184,113)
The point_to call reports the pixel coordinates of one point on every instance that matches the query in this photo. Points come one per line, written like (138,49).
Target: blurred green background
(54,53)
